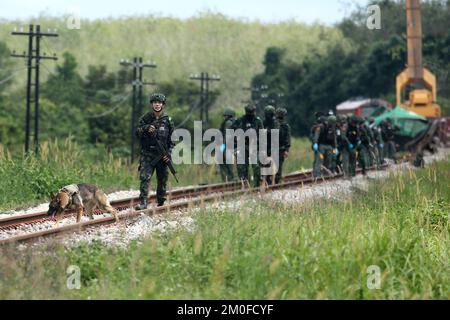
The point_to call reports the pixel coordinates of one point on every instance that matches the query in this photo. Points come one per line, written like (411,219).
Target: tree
(66,85)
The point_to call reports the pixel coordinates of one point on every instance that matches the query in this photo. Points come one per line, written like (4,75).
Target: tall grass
(269,250)
(29,179)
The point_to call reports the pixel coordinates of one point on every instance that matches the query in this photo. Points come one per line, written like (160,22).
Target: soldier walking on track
(226,169)
(285,141)
(248,122)
(154,129)
(270,123)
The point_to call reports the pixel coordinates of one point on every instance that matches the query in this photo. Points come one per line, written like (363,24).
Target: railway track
(192,196)
(14,222)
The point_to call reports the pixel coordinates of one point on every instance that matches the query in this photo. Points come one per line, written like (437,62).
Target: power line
(193,108)
(107,112)
(12,75)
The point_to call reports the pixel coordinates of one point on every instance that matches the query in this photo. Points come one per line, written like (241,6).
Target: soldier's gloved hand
(315,147)
(166,159)
(151,129)
(286,154)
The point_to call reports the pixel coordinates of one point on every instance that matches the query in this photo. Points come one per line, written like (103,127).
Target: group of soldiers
(155,129)
(274,119)
(341,142)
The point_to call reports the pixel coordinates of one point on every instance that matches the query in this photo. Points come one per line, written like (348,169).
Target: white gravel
(120,235)
(136,229)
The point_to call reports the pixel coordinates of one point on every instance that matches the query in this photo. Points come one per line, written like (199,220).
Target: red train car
(363,107)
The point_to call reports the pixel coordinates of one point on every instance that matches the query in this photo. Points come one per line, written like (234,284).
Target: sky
(308,11)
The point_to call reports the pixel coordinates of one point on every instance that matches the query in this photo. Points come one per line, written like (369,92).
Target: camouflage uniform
(316,130)
(226,169)
(270,123)
(164,128)
(246,122)
(326,139)
(388,134)
(342,160)
(378,140)
(366,148)
(285,141)
(355,147)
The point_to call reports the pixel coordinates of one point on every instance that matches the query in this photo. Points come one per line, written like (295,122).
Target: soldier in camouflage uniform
(367,145)
(378,141)
(342,144)
(270,123)
(316,130)
(355,146)
(324,146)
(154,125)
(246,122)
(285,141)
(226,169)
(388,134)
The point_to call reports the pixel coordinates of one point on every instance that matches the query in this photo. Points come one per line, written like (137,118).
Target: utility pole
(204,79)
(36,55)
(137,101)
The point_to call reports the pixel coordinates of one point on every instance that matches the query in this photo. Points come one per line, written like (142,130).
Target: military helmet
(281,112)
(269,110)
(318,114)
(332,119)
(250,108)
(158,97)
(361,119)
(341,118)
(322,119)
(228,112)
(353,118)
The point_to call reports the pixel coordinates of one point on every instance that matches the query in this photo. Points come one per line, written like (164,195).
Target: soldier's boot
(143,205)
(161,202)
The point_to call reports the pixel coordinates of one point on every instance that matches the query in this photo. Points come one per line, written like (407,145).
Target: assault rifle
(163,152)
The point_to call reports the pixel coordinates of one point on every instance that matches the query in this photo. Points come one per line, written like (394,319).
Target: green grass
(29,180)
(268,250)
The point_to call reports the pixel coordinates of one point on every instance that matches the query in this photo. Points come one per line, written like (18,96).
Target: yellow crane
(420,82)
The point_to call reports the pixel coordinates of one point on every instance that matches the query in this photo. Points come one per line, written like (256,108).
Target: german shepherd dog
(80,197)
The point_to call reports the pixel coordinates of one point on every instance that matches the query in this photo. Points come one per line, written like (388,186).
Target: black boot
(143,205)
(160,203)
